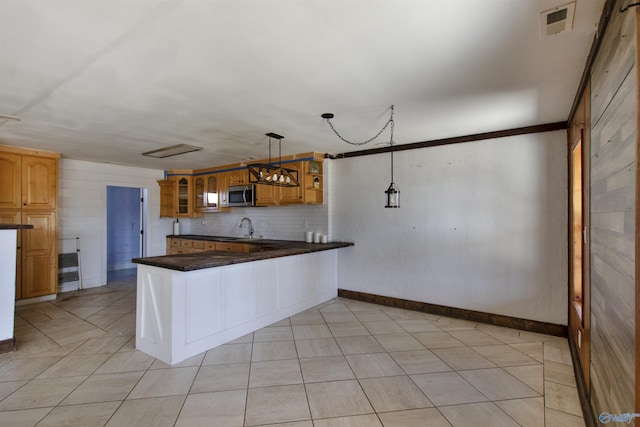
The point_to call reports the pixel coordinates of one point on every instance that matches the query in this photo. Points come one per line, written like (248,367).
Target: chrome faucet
(251,230)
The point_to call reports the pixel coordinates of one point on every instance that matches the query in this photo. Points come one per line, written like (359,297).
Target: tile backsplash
(276,222)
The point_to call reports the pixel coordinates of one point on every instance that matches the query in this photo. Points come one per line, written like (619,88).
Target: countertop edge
(211,259)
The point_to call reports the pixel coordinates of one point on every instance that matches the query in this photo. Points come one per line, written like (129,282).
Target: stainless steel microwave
(242,195)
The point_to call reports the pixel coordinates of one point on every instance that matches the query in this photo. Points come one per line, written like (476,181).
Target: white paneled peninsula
(190,303)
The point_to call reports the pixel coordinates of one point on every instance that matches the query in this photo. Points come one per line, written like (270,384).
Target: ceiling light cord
(386,125)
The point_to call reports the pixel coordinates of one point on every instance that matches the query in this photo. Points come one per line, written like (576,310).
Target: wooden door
(39,182)
(10,173)
(200,193)
(39,261)
(167,196)
(13,217)
(579,309)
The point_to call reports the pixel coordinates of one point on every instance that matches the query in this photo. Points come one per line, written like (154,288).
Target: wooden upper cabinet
(10,179)
(39,183)
(239,177)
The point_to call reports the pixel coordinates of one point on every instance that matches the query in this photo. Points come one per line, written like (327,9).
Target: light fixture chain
(389,122)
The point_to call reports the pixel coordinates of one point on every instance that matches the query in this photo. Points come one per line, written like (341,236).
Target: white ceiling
(104,81)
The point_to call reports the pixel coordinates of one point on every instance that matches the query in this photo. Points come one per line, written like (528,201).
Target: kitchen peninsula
(190,303)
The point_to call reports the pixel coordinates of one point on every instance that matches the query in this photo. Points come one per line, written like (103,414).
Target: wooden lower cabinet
(39,255)
(176,245)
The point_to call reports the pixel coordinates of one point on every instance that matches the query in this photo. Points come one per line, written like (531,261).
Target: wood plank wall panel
(615,58)
(614,110)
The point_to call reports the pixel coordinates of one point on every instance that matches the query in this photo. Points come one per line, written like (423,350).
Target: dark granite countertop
(267,249)
(16,226)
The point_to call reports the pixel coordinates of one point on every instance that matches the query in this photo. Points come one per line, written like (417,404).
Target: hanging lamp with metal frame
(273,173)
(392,193)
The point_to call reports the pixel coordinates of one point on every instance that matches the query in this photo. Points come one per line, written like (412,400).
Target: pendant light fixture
(392,193)
(271,173)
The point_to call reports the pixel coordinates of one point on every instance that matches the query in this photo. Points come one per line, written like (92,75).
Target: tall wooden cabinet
(29,195)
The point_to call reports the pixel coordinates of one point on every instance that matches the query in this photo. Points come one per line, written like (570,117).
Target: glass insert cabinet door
(210,197)
(200,192)
(183,196)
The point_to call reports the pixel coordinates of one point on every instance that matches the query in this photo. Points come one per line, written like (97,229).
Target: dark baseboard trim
(7,345)
(581,385)
(459,313)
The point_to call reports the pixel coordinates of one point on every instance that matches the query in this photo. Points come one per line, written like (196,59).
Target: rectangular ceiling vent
(557,20)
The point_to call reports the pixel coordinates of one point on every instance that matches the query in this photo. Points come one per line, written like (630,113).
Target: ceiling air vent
(557,20)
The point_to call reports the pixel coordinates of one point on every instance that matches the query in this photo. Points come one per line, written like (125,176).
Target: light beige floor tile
(337,399)
(307,423)
(101,345)
(557,352)
(559,373)
(460,358)
(317,348)
(273,350)
(221,377)
(370,420)
(309,317)
(164,382)
(26,369)
(383,327)
(8,387)
(555,418)
(531,375)
(248,338)
(228,353)
(126,362)
(400,314)
(348,329)
(283,322)
(333,305)
(90,414)
(104,388)
(280,404)
(23,418)
(222,409)
(419,362)
(388,394)
(73,366)
(359,344)
(506,335)
(451,324)
(307,332)
(123,327)
(42,347)
(154,412)
(419,325)
(505,355)
(275,333)
(320,369)
(477,414)
(531,349)
(562,398)
(433,340)
(498,384)
(371,316)
(399,342)
(373,365)
(41,393)
(339,317)
(447,388)
(192,361)
(526,412)
(474,337)
(275,372)
(104,320)
(414,418)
